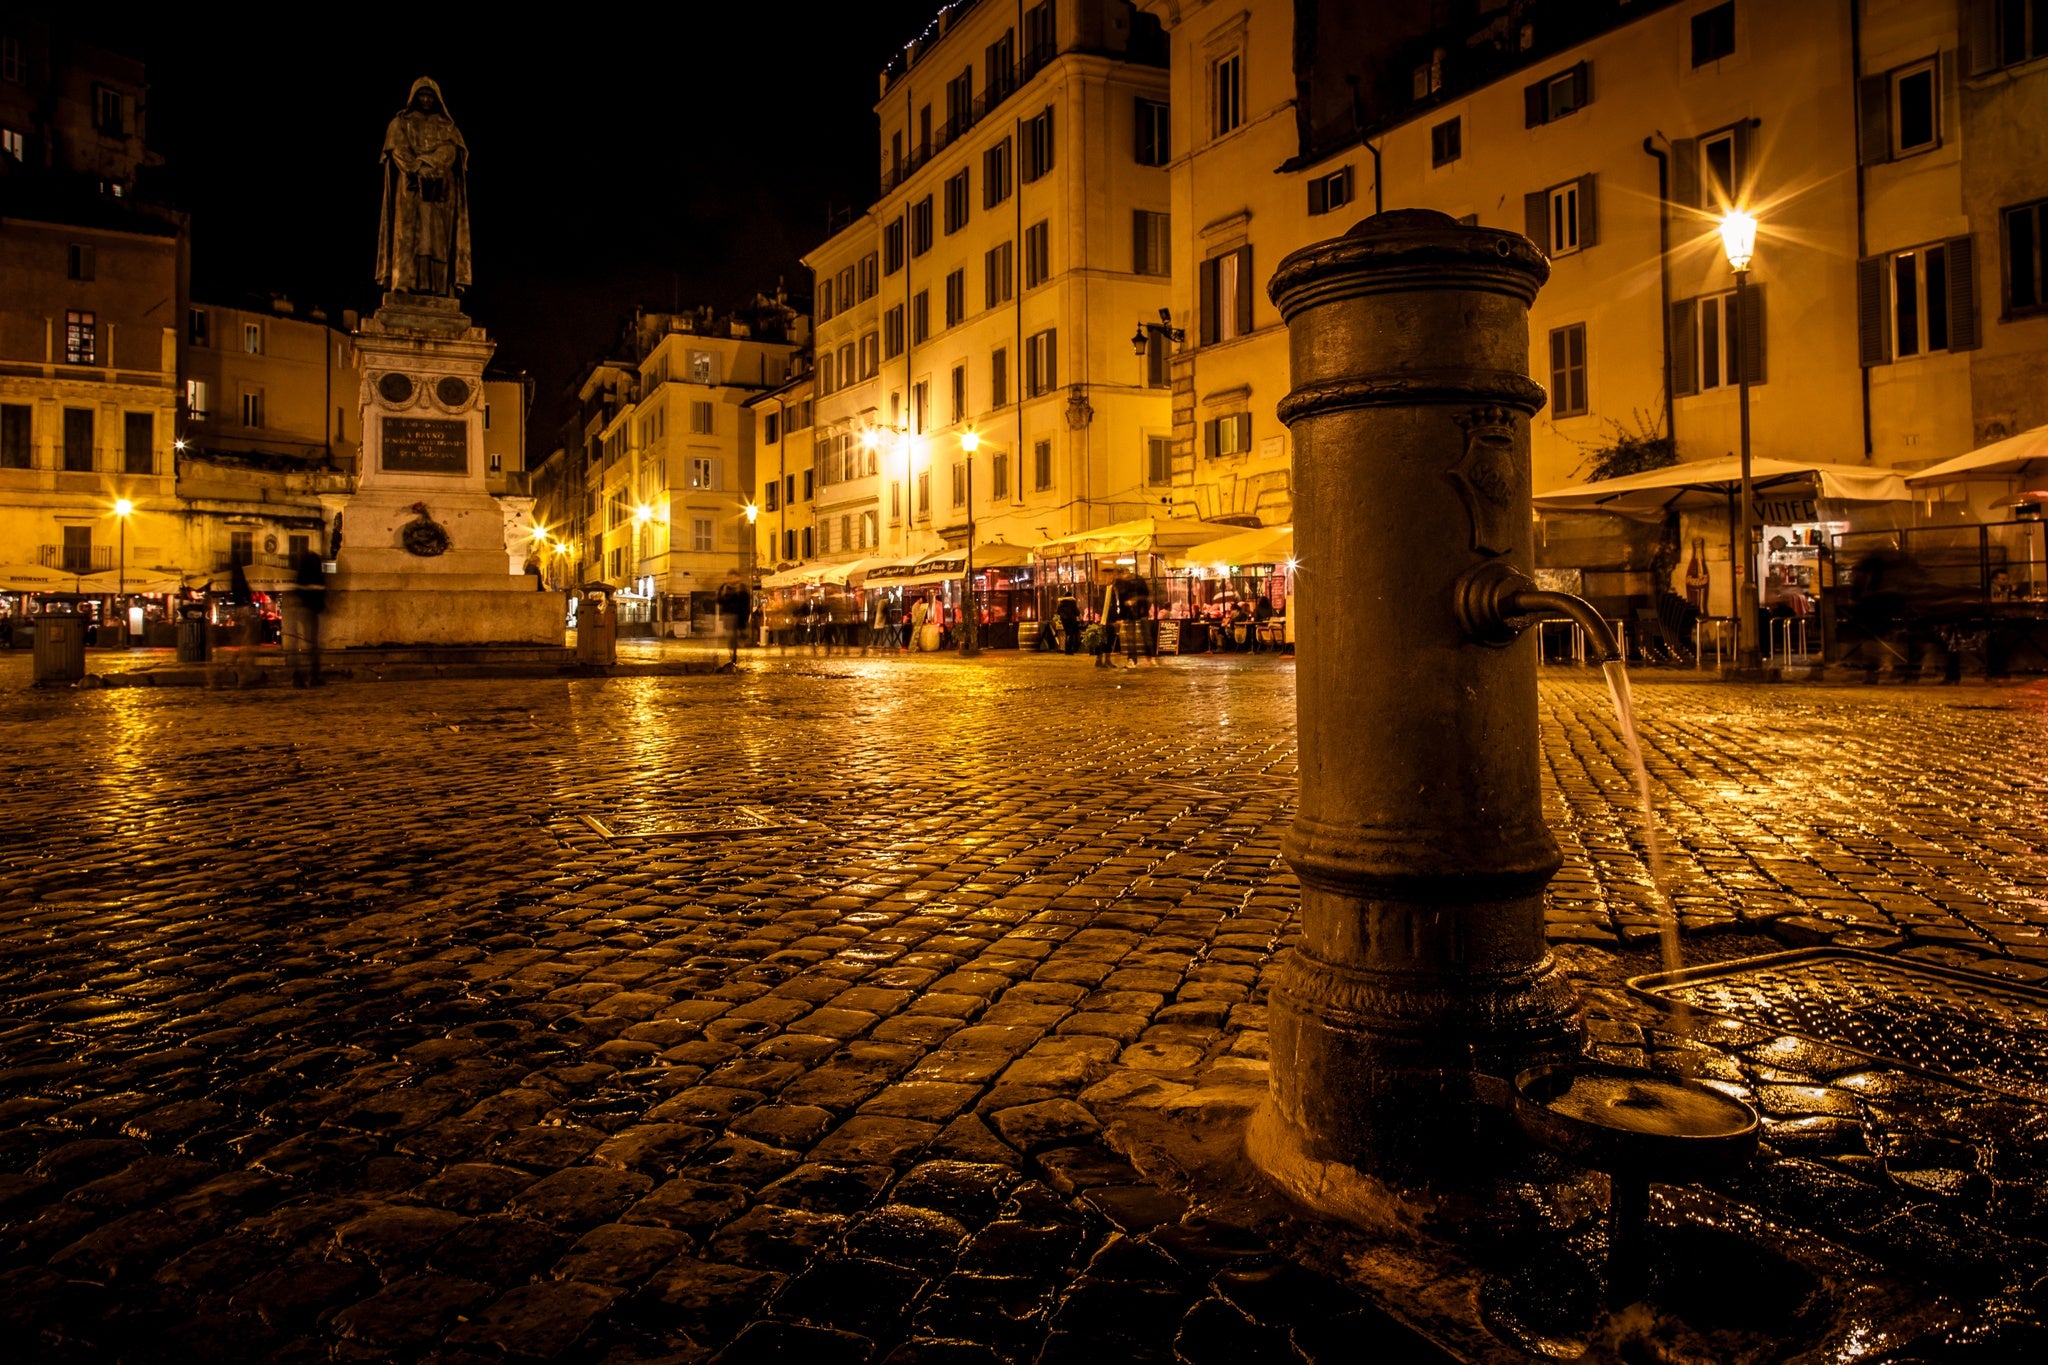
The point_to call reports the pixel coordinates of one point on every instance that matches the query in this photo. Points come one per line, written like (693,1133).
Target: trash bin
(60,649)
(192,639)
(597,628)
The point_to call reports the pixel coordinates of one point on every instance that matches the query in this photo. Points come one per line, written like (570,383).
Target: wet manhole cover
(722,822)
(1959,1025)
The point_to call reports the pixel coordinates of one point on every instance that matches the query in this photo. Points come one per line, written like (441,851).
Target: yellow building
(784,514)
(1019,240)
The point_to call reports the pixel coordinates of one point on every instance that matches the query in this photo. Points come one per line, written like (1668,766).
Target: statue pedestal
(423,558)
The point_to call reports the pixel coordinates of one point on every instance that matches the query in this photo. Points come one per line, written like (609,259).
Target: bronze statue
(423,234)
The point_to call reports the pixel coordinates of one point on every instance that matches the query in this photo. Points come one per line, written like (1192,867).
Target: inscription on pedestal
(425,445)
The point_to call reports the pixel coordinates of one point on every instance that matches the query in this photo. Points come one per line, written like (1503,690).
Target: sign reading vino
(425,445)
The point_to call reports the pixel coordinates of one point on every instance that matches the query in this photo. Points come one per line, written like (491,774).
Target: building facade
(783,516)
(1020,237)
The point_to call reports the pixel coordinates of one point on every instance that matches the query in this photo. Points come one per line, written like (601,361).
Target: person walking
(735,606)
(1068,613)
(309,600)
(1262,616)
(918,612)
(1133,613)
(1105,635)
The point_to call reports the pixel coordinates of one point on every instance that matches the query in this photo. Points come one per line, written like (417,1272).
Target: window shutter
(1209,438)
(1244,432)
(1589,214)
(1685,362)
(1533,107)
(1963,333)
(1536,219)
(1873,319)
(1685,172)
(1208,301)
(1739,135)
(1244,291)
(1137,241)
(1752,321)
(1319,195)
(1874,118)
(1052,361)
(1582,85)
(1979,37)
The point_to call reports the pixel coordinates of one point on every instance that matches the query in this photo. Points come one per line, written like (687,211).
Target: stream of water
(1616,673)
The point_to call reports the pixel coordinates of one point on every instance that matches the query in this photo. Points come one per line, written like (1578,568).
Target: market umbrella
(1146,535)
(1696,483)
(1261,545)
(38,578)
(2026,453)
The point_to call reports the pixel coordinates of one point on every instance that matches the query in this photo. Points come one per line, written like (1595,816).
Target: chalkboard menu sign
(1169,637)
(425,445)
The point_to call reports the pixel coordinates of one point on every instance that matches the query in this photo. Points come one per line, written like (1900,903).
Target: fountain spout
(1495,604)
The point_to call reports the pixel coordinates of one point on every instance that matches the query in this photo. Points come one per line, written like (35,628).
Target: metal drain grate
(702,824)
(1960,1025)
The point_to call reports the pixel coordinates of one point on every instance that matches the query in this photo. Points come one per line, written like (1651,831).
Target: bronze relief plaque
(452,391)
(395,388)
(425,445)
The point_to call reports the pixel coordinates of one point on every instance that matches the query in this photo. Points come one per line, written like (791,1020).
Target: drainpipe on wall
(1664,280)
(1862,216)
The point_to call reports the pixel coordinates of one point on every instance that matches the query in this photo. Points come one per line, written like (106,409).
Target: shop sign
(1786,511)
(425,445)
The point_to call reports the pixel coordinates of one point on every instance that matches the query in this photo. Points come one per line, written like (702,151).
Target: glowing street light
(970,441)
(1738,241)
(753,514)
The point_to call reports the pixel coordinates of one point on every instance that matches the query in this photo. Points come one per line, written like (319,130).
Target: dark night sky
(619,155)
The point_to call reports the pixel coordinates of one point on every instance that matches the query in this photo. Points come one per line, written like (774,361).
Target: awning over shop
(1262,545)
(137,582)
(2026,453)
(890,573)
(803,575)
(38,578)
(1709,483)
(851,573)
(1146,535)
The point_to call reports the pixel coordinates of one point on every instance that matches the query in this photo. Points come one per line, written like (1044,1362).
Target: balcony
(956,126)
(75,558)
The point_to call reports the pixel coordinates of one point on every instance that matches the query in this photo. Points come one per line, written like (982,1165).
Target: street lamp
(123,509)
(970,638)
(1738,243)
(1141,340)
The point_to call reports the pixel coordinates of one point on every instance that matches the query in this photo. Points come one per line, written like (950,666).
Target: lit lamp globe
(123,507)
(1738,239)
(970,441)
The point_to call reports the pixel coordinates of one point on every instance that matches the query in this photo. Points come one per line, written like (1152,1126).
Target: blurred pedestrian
(1105,635)
(919,612)
(1262,616)
(1134,614)
(1068,613)
(735,606)
(308,600)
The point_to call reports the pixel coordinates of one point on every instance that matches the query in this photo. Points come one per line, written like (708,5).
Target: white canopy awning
(2026,453)
(1706,483)
(1146,535)
(1263,545)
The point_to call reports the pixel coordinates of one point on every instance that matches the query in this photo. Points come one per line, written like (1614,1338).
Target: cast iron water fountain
(1422,981)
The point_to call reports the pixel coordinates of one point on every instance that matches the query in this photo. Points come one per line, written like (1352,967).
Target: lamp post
(1738,241)
(123,509)
(1141,340)
(970,638)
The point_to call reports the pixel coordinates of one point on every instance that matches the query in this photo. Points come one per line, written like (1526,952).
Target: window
(921,226)
(297,547)
(2026,283)
(1158,359)
(924,130)
(1446,142)
(197,406)
(1037,147)
(1229,435)
(1568,371)
(996,267)
(869,275)
(138,443)
(81,336)
(78,440)
(109,111)
(13,144)
(870,354)
(1154,135)
(1915,120)
(1041,466)
(892,332)
(1037,254)
(959,393)
(703,472)
(618,562)
(959,483)
(956,297)
(825,384)
(252,408)
(242,548)
(998,378)
(807,549)
(1039,36)
(1158,460)
(1719,190)
(1150,252)
(17,436)
(845,369)
(252,338)
(701,533)
(959,104)
(920,316)
(1557,96)
(1226,89)
(79,263)
(810,484)
(1713,346)
(956,202)
(1713,34)
(998,66)
(1917,302)
(870,530)
(895,500)
(703,368)
(892,247)
(1329,192)
(1560,220)
(10,60)
(1041,363)
(995,174)
(1226,296)
(920,406)
(771,495)
(771,428)
(924,492)
(1920,301)
(999,474)
(2022,33)
(824,299)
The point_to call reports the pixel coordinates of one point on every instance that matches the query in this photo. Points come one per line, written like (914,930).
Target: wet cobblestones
(332,1030)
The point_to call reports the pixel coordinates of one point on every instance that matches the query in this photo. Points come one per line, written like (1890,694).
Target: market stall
(1084,563)
(1216,591)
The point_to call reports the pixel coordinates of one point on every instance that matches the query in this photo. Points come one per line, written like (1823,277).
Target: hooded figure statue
(423,234)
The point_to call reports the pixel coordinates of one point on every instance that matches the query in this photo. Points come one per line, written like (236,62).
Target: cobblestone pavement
(333,1029)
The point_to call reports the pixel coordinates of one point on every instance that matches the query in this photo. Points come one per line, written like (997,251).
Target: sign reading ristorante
(425,445)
